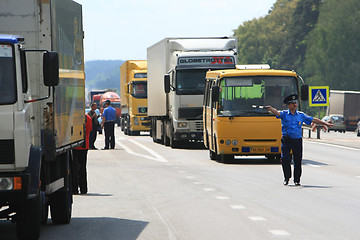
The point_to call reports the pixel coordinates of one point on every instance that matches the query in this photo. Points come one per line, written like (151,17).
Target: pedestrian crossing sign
(318,96)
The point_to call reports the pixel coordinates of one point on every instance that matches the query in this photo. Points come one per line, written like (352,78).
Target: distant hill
(103,74)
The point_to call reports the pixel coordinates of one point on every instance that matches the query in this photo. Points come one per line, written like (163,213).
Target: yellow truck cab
(236,123)
(133,90)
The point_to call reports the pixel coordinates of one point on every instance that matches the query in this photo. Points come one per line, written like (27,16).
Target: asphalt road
(143,190)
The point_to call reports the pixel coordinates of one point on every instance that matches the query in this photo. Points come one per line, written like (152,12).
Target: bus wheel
(213,155)
(226,158)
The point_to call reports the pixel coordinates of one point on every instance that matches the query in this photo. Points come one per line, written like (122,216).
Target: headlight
(227,142)
(6,183)
(142,109)
(235,142)
(136,121)
(182,124)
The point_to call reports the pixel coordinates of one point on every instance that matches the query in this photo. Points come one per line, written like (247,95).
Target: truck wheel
(45,209)
(128,129)
(166,137)
(28,219)
(61,200)
(172,142)
(122,124)
(61,206)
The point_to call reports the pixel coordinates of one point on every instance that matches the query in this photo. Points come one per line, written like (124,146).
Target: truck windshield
(246,96)
(190,82)
(139,90)
(7,75)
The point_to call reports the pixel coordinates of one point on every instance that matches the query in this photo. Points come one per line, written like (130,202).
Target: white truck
(347,104)
(176,83)
(42,101)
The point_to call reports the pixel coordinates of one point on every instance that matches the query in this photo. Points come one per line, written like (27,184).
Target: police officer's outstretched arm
(273,110)
(320,122)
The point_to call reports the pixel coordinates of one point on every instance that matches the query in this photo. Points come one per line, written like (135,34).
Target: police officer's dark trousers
(296,146)
(109,134)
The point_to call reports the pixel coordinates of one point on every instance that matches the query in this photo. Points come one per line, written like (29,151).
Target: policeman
(291,122)
(108,123)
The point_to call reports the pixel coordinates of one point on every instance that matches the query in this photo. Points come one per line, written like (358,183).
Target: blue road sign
(318,96)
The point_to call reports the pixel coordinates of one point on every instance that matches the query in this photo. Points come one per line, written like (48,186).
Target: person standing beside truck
(108,123)
(80,159)
(291,122)
(95,123)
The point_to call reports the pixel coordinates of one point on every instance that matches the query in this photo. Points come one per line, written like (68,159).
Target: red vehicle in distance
(115,103)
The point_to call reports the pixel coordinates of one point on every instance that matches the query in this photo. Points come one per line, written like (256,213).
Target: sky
(124,29)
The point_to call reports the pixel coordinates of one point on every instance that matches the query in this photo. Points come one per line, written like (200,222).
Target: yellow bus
(236,122)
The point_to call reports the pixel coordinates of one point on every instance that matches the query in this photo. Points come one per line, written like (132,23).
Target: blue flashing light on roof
(11,38)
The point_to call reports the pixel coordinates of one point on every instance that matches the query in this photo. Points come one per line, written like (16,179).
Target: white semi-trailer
(42,102)
(176,82)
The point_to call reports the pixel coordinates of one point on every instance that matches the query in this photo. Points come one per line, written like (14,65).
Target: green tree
(261,40)
(292,54)
(333,48)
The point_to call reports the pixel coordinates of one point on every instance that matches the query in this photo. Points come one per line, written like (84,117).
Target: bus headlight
(235,142)
(228,142)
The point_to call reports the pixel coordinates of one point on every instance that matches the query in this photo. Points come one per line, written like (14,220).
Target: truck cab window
(190,82)
(7,75)
(139,89)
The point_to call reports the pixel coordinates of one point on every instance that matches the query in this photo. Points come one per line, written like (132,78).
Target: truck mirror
(51,69)
(215,93)
(305,92)
(167,83)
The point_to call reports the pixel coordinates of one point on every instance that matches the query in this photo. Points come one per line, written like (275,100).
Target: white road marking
(334,145)
(190,177)
(209,189)
(155,154)
(312,165)
(237,207)
(181,171)
(358,176)
(279,232)
(156,157)
(257,218)
(222,197)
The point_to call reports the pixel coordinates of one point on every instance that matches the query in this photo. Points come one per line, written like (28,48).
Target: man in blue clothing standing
(291,122)
(108,123)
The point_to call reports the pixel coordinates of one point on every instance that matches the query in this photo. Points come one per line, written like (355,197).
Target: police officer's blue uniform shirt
(109,114)
(291,123)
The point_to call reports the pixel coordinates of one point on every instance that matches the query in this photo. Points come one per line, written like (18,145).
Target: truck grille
(7,152)
(190,113)
(196,126)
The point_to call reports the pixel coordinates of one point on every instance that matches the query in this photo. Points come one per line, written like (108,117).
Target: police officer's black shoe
(286,182)
(297,184)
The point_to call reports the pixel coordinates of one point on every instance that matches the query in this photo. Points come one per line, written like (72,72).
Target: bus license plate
(259,149)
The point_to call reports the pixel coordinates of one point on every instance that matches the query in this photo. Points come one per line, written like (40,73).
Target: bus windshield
(246,96)
(139,90)
(190,82)
(7,75)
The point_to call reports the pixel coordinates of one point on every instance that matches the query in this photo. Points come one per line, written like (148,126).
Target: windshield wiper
(250,113)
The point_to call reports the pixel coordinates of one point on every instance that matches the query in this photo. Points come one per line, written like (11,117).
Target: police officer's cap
(291,99)
(108,102)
